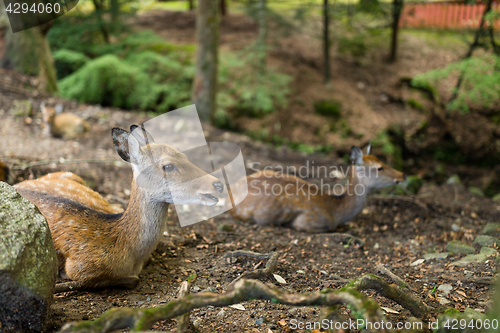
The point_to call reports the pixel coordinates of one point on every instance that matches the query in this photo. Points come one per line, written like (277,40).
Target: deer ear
(356,156)
(120,140)
(369,148)
(142,136)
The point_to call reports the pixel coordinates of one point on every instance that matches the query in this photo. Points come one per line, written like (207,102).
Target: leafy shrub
(328,108)
(356,45)
(480,85)
(108,81)
(68,62)
(242,91)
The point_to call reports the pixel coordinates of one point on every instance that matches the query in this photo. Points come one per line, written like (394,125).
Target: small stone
(209,289)
(225,228)
(148,299)
(470,259)
(221,313)
(491,229)
(301,271)
(440,255)
(459,247)
(442,300)
(259,321)
(197,322)
(485,240)
(417,262)
(445,289)
(196,289)
(488,251)
(140,303)
(454,179)
(455,227)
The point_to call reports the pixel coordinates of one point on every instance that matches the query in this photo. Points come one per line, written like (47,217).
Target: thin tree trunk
(397,6)
(261,39)
(326,41)
(223,7)
(207,35)
(191,4)
(98,11)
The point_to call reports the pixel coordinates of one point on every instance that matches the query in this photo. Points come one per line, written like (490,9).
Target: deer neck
(142,223)
(354,200)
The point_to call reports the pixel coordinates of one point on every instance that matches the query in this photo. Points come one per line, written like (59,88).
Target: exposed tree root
(244,290)
(256,273)
(391,291)
(399,281)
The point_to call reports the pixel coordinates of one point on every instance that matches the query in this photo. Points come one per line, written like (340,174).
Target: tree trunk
(261,38)
(397,6)
(326,41)
(27,52)
(223,7)
(207,36)
(191,4)
(102,25)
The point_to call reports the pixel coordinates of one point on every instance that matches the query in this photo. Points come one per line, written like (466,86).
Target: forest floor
(396,232)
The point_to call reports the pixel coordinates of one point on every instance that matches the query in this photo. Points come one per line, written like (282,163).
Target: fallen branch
(256,273)
(405,299)
(244,290)
(183,323)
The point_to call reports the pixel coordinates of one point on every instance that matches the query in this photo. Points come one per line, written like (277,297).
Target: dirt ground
(396,232)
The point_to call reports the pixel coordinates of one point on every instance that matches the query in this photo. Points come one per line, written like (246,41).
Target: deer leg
(311,222)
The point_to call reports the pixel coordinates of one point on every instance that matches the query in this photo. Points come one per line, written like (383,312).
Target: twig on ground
(67,286)
(399,281)
(272,260)
(183,322)
(401,198)
(244,290)
(465,279)
(345,238)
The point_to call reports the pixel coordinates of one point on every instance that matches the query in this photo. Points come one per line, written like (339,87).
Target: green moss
(451,311)
(330,108)
(68,62)
(416,104)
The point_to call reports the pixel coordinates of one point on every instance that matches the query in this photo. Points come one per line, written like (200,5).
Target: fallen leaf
(461,293)
(279,279)
(389,310)
(282,322)
(237,307)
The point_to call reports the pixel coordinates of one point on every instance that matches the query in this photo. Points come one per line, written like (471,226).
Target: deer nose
(218,186)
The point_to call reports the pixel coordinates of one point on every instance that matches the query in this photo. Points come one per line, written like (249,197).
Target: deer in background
(62,125)
(312,212)
(96,245)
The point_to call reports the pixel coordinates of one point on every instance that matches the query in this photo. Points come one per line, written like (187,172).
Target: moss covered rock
(28,264)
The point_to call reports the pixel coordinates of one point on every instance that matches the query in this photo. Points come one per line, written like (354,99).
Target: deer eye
(168,167)
(380,169)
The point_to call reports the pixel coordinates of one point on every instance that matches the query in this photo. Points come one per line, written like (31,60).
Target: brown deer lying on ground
(62,125)
(96,245)
(277,198)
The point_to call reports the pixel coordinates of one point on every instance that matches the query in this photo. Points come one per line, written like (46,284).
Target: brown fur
(64,125)
(314,213)
(97,245)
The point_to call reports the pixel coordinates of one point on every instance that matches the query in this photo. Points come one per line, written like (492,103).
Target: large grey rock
(28,264)
(470,259)
(485,240)
(491,229)
(459,247)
